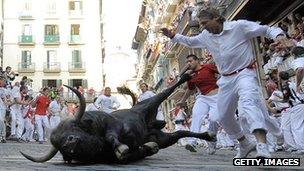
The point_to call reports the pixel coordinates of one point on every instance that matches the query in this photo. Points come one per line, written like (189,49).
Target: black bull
(122,136)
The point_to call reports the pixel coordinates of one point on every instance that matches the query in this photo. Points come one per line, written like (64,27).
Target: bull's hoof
(209,136)
(121,152)
(152,146)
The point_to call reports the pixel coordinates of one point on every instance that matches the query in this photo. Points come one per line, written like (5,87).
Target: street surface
(173,158)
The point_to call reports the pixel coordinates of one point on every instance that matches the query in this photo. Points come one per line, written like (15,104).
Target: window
(78,82)
(26,59)
(75,5)
(51,30)
(27,30)
(75,29)
(51,83)
(51,58)
(51,7)
(76,59)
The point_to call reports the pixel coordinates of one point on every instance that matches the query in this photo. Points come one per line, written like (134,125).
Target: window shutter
(58,83)
(85,83)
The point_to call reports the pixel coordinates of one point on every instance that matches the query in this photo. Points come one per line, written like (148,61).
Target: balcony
(26,67)
(75,14)
(26,40)
(51,40)
(77,67)
(51,67)
(75,40)
(26,15)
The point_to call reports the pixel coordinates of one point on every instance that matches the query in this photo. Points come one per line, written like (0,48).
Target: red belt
(251,66)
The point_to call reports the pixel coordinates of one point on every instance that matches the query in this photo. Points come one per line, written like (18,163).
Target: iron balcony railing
(51,67)
(77,67)
(26,67)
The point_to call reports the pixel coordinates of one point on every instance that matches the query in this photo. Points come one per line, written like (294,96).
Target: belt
(251,66)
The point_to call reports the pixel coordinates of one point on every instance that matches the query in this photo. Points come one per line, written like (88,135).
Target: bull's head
(71,139)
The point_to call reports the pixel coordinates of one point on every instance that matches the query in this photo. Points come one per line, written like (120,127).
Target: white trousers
(2,124)
(203,106)
(241,87)
(54,121)
(29,129)
(286,127)
(297,125)
(17,122)
(42,122)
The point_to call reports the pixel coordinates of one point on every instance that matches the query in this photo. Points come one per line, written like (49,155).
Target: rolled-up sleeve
(253,29)
(193,42)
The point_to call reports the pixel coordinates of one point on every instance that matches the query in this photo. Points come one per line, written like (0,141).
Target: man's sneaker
(211,148)
(191,147)
(245,149)
(40,142)
(262,151)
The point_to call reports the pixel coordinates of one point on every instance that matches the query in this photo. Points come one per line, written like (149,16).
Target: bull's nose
(72,138)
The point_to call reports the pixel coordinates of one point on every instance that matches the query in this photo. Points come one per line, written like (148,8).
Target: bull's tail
(127,91)
(154,102)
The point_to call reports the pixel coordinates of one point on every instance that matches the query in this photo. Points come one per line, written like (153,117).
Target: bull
(120,137)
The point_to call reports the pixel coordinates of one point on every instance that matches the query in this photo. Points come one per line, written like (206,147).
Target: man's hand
(180,104)
(167,32)
(299,89)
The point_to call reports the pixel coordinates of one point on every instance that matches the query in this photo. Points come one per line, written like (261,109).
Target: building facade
(54,42)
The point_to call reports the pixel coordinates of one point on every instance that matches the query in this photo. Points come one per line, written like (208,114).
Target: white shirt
(277,98)
(55,108)
(231,49)
(2,97)
(17,96)
(145,95)
(107,103)
(91,107)
(298,63)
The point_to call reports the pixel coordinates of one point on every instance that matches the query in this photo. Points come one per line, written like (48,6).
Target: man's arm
(186,95)
(116,104)
(253,29)
(97,103)
(193,41)
(299,78)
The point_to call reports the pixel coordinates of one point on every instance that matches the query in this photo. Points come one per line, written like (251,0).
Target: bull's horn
(42,159)
(82,106)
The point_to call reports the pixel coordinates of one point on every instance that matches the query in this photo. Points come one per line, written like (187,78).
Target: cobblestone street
(173,158)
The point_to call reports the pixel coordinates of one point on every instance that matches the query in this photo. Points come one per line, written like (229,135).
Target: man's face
(143,88)
(107,92)
(192,63)
(211,25)
(2,83)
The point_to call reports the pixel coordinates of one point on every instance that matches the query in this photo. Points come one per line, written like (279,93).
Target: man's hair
(210,13)
(45,88)
(107,88)
(297,51)
(192,56)
(284,75)
(144,84)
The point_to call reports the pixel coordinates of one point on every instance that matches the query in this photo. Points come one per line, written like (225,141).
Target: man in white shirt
(3,106)
(106,102)
(54,110)
(92,106)
(146,93)
(298,66)
(229,42)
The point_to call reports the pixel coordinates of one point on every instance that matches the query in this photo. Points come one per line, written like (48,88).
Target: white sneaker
(262,151)
(211,148)
(244,150)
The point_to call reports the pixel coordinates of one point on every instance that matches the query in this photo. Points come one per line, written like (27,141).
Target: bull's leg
(120,150)
(157,124)
(167,139)
(147,149)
